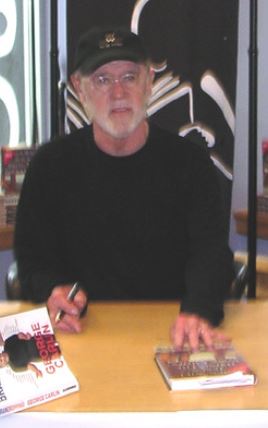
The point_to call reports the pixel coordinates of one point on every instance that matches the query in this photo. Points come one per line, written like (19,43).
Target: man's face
(3,359)
(115,96)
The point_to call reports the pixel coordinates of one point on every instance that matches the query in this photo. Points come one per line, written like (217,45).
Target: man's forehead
(117,66)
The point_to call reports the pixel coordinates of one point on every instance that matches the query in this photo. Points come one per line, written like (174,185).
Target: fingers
(71,310)
(178,332)
(194,330)
(69,324)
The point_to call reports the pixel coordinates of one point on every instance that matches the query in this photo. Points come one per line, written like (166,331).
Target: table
(113,359)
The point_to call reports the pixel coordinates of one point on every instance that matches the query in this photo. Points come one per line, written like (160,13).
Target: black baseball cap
(101,45)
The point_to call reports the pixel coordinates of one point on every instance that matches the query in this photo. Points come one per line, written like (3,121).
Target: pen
(72,293)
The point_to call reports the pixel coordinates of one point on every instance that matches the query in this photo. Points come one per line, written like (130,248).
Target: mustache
(119,105)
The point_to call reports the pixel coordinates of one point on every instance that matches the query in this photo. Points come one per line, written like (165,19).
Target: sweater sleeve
(209,269)
(37,249)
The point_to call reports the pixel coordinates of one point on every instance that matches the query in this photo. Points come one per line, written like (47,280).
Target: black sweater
(144,226)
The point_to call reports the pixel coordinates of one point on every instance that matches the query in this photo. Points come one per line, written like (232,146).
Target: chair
(240,283)
(13,290)
(238,288)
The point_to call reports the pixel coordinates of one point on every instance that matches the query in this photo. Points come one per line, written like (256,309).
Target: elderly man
(125,208)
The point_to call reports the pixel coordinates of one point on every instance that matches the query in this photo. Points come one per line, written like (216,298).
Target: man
(127,209)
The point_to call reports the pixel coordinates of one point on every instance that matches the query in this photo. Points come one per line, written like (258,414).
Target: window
(15,73)
(24,72)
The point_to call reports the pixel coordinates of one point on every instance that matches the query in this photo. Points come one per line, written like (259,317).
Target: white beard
(122,126)
(118,125)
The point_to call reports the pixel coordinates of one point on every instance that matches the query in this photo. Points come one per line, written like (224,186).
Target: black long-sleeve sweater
(144,226)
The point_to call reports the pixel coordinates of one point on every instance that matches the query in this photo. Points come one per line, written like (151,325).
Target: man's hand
(34,369)
(192,329)
(57,301)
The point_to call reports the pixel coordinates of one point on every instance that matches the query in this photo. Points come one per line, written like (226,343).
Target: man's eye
(104,80)
(129,78)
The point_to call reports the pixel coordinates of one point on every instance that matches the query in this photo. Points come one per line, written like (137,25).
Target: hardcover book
(32,367)
(204,369)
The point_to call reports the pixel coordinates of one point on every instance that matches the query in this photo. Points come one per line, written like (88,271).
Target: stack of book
(14,162)
(8,206)
(262,203)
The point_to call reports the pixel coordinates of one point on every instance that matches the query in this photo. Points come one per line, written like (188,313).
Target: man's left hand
(192,329)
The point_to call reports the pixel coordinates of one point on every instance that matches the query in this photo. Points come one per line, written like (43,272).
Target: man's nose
(118,89)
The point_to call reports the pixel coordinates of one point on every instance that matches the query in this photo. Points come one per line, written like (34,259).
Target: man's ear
(76,82)
(151,75)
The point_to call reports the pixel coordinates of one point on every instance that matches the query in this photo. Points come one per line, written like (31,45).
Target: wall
(240,195)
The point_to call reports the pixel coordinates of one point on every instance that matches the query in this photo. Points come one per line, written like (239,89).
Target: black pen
(72,293)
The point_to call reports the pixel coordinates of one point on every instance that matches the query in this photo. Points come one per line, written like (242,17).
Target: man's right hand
(58,301)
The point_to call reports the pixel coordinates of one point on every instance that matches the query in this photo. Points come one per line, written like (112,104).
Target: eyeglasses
(104,82)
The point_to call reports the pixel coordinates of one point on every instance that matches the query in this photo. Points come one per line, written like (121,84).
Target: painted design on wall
(169,88)
(16,104)
(8,96)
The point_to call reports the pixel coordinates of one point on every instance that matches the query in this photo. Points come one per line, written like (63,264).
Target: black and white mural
(14,77)
(193,44)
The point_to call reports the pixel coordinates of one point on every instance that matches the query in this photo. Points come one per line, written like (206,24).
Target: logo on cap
(110,40)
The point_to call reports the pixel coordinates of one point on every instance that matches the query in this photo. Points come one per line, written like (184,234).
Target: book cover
(32,367)
(204,369)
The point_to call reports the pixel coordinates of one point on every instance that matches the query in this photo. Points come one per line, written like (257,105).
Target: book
(14,163)
(262,201)
(32,367)
(203,369)
(8,208)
